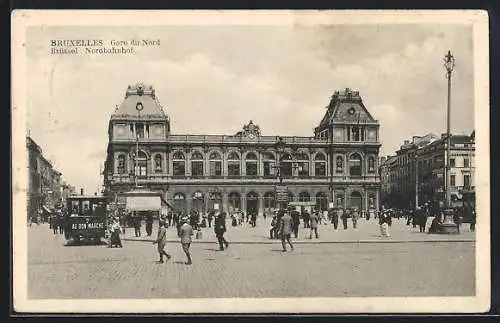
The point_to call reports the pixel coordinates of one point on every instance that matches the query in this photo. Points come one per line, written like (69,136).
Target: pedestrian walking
(457,219)
(149,224)
(273,232)
(169,218)
(115,240)
(60,223)
(314,219)
(210,218)
(295,222)
(161,240)
(355,217)
(384,222)
(473,221)
(286,230)
(421,218)
(136,218)
(336,214)
(344,216)
(220,229)
(253,219)
(54,222)
(186,233)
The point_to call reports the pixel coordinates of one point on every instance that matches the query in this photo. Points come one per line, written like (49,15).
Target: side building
(46,189)
(193,171)
(415,175)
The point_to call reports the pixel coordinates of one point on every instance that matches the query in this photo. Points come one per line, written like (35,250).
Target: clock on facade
(251,136)
(351,111)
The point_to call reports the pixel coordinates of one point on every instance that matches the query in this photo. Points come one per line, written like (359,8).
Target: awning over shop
(143,203)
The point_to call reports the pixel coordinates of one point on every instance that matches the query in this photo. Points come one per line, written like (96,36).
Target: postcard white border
(21,19)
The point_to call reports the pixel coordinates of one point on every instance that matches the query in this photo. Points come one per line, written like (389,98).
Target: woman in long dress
(384,221)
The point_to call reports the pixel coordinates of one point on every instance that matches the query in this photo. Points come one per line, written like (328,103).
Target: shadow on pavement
(82,243)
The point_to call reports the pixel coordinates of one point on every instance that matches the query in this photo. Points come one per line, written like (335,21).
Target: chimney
(407,142)
(81,191)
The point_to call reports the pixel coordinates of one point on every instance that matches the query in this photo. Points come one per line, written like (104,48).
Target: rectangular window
(251,168)
(452,162)
(466,180)
(452,180)
(139,128)
(233,169)
(197,168)
(303,169)
(179,168)
(215,168)
(268,169)
(466,162)
(320,169)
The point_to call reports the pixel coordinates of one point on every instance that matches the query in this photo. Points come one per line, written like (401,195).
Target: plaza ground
(407,264)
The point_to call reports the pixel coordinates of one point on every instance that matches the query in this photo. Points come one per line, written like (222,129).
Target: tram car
(85,218)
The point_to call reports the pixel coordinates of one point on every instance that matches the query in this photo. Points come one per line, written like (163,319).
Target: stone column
(244,202)
(224,201)
(224,164)
(188,164)
(377,206)
(260,165)
(261,205)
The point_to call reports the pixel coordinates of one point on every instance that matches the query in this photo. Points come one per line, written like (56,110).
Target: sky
(213,79)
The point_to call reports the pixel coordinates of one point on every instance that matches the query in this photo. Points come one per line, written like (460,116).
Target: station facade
(338,164)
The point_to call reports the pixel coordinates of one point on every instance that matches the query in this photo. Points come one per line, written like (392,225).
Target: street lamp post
(448,225)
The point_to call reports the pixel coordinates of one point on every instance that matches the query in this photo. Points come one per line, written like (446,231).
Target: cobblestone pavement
(248,270)
(366,231)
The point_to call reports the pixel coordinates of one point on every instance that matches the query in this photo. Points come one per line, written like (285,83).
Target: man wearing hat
(162,241)
(185,233)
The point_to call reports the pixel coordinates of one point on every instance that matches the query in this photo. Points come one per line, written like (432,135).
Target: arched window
(142,165)
(215,164)
(286,165)
(356,201)
(197,164)
(121,168)
(158,163)
(252,203)
(371,164)
(179,164)
(269,162)
(251,164)
(180,204)
(234,200)
(233,164)
(302,162)
(322,201)
(339,164)
(355,165)
(320,164)
(304,197)
(269,202)
(199,201)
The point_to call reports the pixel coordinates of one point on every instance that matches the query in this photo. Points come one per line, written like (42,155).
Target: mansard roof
(346,107)
(140,102)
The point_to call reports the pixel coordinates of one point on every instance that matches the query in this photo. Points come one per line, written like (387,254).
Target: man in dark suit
(295,222)
(286,230)
(220,229)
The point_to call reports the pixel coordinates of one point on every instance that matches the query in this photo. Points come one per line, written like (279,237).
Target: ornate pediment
(250,131)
